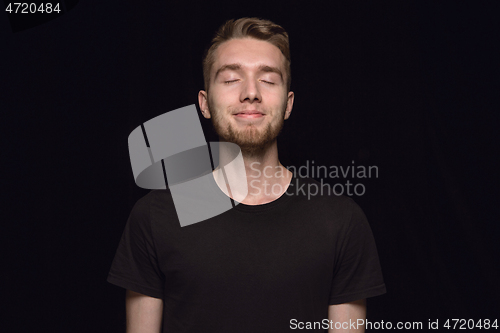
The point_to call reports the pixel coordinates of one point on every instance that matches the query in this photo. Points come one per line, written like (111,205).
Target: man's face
(247,99)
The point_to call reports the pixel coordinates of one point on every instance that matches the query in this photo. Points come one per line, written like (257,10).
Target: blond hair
(248,27)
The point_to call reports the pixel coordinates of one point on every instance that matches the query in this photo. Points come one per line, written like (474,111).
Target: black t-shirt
(253,268)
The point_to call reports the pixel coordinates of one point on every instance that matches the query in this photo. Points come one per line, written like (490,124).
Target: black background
(411,87)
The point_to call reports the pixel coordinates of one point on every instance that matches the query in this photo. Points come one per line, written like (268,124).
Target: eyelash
(228,82)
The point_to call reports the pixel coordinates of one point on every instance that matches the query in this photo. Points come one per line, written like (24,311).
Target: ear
(203,102)
(289,104)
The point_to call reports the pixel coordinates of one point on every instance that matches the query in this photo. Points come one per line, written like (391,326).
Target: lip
(248,114)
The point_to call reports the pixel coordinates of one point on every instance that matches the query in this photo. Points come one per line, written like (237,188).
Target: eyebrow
(262,68)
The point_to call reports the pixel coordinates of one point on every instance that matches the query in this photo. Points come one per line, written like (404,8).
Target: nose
(250,92)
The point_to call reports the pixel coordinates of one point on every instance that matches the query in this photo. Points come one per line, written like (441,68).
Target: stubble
(251,140)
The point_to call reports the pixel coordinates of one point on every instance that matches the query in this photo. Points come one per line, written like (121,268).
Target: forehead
(249,53)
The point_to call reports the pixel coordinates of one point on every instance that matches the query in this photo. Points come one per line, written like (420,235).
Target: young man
(279,260)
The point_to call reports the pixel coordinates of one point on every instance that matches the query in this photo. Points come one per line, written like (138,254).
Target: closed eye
(227,82)
(267,82)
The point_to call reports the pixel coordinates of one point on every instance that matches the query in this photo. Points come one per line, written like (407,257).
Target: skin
(248,87)
(144,313)
(346,313)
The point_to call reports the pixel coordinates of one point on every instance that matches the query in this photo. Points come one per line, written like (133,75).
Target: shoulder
(322,196)
(336,217)
(151,204)
(320,204)
(154,197)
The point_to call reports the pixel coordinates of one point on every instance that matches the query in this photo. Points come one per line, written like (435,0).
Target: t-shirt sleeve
(357,273)
(135,266)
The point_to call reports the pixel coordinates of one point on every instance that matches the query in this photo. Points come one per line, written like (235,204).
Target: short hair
(248,27)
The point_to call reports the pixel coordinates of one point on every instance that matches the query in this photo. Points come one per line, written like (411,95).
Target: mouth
(249,114)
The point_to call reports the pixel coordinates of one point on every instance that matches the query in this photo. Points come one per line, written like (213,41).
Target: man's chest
(277,257)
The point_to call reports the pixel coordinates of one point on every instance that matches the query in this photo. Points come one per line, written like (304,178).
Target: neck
(259,179)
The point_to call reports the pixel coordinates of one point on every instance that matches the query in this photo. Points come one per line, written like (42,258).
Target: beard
(251,140)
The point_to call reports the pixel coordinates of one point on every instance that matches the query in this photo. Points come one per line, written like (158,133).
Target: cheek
(221,97)
(215,100)
(276,100)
